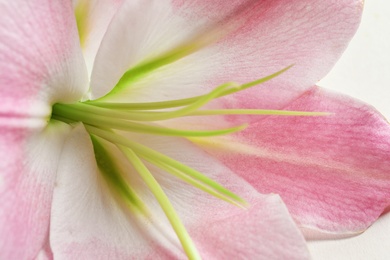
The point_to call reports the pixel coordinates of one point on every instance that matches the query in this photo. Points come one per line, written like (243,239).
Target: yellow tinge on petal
(81,12)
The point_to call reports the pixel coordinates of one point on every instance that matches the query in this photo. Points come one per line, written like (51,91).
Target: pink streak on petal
(248,234)
(27,179)
(310,34)
(219,229)
(88,223)
(332,172)
(40,58)
(40,63)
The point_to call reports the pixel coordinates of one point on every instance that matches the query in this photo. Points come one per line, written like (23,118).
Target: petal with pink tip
(87,222)
(40,59)
(271,35)
(331,171)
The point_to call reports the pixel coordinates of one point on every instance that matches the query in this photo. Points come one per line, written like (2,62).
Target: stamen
(163,200)
(185,101)
(102,118)
(214,112)
(153,156)
(121,124)
(111,174)
(155,116)
(196,183)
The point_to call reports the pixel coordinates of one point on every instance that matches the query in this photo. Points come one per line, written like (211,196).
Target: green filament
(111,174)
(156,116)
(102,119)
(163,200)
(153,156)
(196,183)
(185,101)
(120,124)
(214,112)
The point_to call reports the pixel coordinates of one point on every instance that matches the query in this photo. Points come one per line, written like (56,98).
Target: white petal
(86,221)
(274,35)
(98,16)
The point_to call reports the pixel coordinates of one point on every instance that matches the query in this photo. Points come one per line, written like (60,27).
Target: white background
(364,72)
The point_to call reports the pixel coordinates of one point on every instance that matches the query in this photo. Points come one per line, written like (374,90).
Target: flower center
(106,121)
(107,124)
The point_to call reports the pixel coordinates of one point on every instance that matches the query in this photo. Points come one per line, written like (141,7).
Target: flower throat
(102,120)
(106,122)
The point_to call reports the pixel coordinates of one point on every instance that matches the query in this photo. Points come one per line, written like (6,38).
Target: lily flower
(170,129)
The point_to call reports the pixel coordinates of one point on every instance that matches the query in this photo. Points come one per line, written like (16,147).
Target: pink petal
(40,59)
(261,232)
(309,34)
(332,172)
(222,230)
(88,223)
(40,63)
(28,166)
